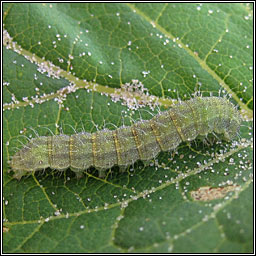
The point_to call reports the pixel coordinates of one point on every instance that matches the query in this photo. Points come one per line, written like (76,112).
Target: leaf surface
(67,68)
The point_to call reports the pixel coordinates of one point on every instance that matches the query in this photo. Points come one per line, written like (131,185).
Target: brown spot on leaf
(5,229)
(209,193)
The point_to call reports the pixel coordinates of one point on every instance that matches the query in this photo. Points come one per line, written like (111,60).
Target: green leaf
(67,68)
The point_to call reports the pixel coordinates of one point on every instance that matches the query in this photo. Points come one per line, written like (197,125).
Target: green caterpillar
(143,140)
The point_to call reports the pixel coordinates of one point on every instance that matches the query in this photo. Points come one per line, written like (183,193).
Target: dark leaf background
(63,69)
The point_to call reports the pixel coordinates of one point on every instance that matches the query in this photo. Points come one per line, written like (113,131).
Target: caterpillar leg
(79,175)
(102,173)
(123,168)
(147,162)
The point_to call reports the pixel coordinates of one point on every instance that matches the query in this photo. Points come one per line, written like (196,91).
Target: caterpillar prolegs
(143,140)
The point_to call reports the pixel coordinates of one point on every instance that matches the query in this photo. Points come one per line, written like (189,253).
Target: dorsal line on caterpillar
(125,145)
